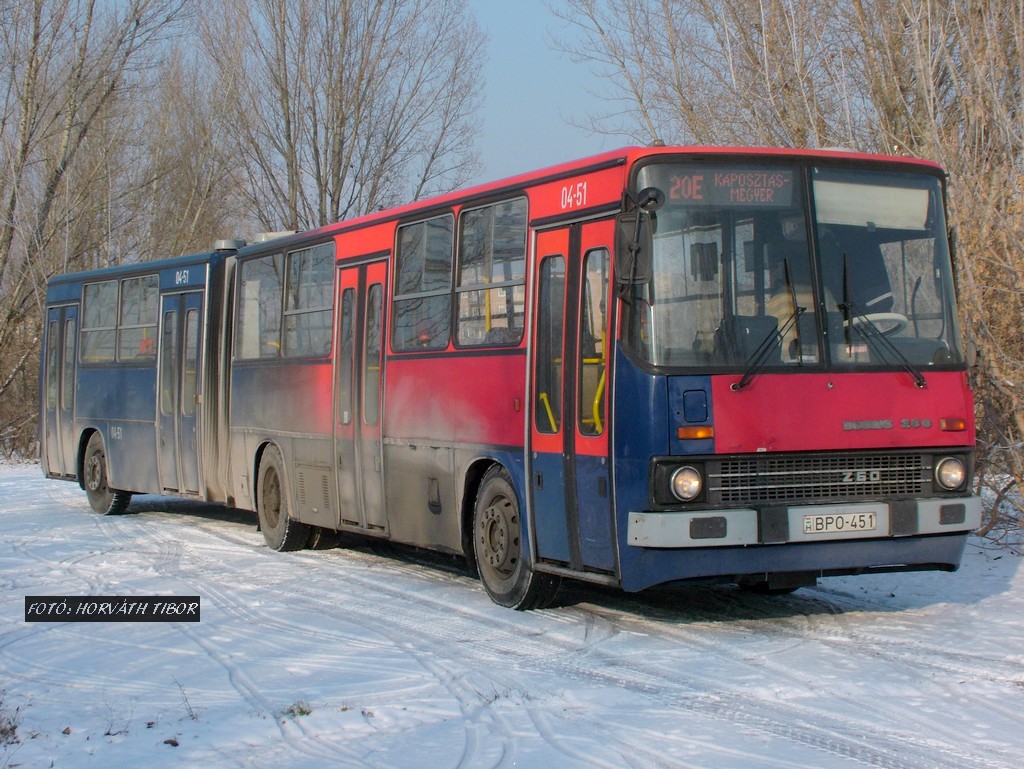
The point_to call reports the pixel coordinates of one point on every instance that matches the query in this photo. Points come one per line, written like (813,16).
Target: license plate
(837,523)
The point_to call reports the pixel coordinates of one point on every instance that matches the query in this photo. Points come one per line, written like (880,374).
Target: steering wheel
(886,323)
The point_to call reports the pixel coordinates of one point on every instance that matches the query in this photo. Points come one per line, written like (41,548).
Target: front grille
(817,477)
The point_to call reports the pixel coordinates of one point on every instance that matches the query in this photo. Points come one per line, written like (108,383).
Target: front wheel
(103,499)
(280,531)
(501,558)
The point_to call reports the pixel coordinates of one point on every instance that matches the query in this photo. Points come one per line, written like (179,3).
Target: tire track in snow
(866,743)
(880,744)
(293,731)
(486,738)
(569,642)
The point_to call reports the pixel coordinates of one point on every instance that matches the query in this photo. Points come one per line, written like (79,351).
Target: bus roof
(626,156)
(65,287)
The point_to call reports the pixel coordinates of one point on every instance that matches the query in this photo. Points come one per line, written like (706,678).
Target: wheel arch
(471,483)
(282,531)
(254,475)
(474,476)
(83,441)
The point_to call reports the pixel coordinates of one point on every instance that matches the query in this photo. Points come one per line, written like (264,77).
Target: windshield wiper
(759,358)
(870,333)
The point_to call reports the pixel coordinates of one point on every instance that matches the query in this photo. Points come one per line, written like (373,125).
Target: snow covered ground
(374,657)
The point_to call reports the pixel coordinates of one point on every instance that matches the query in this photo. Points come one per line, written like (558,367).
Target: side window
(550,333)
(492,274)
(190,374)
(67,388)
(168,363)
(346,351)
(259,308)
(309,302)
(422,305)
(593,345)
(136,328)
(99,322)
(52,363)
(372,354)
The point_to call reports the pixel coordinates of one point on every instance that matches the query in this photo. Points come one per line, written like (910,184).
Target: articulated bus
(652,366)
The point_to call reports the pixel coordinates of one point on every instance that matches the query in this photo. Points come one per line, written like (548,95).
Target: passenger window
(372,354)
(346,351)
(309,302)
(422,315)
(259,307)
(550,333)
(190,373)
(168,363)
(67,387)
(52,363)
(492,274)
(593,344)
(99,322)
(136,328)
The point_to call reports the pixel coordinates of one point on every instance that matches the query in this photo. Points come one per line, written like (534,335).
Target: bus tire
(323,539)
(103,499)
(281,532)
(502,562)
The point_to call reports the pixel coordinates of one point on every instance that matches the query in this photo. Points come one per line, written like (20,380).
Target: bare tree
(937,78)
(181,188)
(345,106)
(65,65)
(716,71)
(946,80)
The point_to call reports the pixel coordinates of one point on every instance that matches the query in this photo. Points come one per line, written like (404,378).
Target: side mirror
(971,353)
(634,247)
(634,242)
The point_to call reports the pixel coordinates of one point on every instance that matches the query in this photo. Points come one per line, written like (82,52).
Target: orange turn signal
(954,425)
(697,433)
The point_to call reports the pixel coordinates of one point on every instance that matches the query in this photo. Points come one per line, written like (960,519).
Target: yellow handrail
(546,402)
(598,399)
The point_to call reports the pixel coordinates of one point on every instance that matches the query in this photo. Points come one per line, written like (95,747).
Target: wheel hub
(499,536)
(93,473)
(495,537)
(272,498)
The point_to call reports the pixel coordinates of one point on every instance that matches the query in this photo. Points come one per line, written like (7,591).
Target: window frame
(148,312)
(430,338)
(245,337)
(484,265)
(106,331)
(105,303)
(292,307)
(295,307)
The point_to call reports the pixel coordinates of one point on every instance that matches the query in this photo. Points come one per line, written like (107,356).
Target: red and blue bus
(651,366)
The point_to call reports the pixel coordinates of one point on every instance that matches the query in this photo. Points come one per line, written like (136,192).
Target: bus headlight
(686,483)
(950,473)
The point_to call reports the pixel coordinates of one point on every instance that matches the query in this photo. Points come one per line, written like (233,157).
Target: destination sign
(724,186)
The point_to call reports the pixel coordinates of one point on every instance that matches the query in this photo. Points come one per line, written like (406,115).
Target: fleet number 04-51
(574,195)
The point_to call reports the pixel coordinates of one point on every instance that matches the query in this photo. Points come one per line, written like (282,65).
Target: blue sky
(532,91)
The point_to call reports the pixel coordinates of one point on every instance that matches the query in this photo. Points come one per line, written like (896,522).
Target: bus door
(358,386)
(59,378)
(570,478)
(178,381)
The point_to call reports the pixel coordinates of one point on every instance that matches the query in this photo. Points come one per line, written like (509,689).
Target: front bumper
(779,524)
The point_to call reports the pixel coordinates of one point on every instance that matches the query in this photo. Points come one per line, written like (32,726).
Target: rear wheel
(763,588)
(103,499)
(280,531)
(322,539)
(498,548)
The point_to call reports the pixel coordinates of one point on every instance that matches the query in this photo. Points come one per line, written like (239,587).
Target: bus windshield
(743,275)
